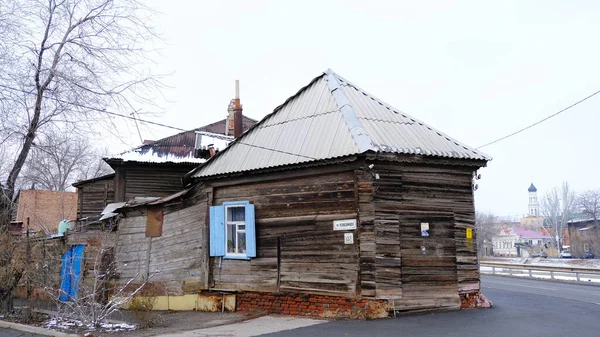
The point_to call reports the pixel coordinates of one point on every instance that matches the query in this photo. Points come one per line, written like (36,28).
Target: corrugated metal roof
(331,118)
(179,148)
(83,182)
(219,127)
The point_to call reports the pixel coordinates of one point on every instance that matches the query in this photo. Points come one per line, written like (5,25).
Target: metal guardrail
(529,270)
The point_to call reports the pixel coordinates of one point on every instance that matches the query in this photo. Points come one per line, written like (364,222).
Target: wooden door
(429,274)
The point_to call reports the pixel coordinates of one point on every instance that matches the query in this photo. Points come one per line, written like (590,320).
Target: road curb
(34,329)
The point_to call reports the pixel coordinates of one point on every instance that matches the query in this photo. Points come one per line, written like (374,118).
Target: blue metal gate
(70,272)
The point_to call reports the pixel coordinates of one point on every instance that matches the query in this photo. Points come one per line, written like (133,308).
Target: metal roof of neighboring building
(174,149)
(529,234)
(83,182)
(331,118)
(179,148)
(219,127)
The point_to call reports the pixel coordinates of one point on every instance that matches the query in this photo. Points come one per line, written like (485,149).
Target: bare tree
(70,62)
(487,226)
(588,203)
(67,64)
(557,207)
(59,159)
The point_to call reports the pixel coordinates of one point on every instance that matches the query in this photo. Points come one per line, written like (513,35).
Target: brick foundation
(312,305)
(473,300)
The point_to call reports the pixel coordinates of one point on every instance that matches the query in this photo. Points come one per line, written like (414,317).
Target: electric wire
(540,121)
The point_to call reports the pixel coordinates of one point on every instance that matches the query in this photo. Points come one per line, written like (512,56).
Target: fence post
(530,273)
(577,275)
(552,274)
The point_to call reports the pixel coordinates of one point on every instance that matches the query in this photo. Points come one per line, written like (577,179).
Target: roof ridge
(362,140)
(406,115)
(377,119)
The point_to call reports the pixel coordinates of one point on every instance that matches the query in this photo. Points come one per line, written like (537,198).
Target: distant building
(584,237)
(45,209)
(533,219)
(534,206)
(516,240)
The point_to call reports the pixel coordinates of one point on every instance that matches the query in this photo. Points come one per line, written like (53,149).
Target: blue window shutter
(217,231)
(250,231)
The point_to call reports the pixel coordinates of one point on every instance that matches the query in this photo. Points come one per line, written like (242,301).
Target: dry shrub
(141,306)
(12,268)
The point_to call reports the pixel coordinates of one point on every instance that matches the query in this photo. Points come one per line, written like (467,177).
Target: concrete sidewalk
(34,330)
(253,327)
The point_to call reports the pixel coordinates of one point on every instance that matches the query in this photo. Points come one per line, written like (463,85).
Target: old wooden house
(154,169)
(335,204)
(145,173)
(584,237)
(93,195)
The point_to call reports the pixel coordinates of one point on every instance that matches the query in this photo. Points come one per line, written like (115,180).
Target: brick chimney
(237,112)
(234,124)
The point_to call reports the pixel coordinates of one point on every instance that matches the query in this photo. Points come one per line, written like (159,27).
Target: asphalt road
(522,308)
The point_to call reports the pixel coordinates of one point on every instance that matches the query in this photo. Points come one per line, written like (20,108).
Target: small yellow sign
(469,233)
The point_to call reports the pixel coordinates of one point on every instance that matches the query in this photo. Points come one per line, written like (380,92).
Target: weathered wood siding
(297,249)
(178,257)
(97,243)
(92,197)
(405,196)
(150,180)
(366,215)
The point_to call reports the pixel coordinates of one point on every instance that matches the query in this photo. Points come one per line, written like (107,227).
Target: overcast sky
(477,70)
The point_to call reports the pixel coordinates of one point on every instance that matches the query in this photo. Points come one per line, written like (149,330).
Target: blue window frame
(232,230)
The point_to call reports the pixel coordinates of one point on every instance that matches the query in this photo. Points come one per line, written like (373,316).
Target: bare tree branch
(558,206)
(588,203)
(58,159)
(64,63)
(85,61)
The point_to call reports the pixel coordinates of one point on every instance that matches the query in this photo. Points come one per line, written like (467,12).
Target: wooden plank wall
(366,215)
(178,256)
(94,196)
(294,216)
(153,181)
(95,242)
(406,195)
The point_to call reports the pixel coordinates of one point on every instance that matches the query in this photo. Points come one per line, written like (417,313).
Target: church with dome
(533,220)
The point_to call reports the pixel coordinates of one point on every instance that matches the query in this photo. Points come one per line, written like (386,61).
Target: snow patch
(59,323)
(151,157)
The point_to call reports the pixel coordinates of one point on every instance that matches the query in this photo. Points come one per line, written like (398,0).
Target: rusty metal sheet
(154,222)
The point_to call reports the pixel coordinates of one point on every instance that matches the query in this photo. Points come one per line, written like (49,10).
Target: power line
(149,122)
(280,151)
(97,109)
(540,121)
